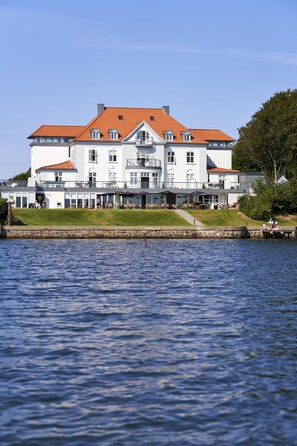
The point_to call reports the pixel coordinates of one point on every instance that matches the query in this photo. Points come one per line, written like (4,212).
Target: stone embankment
(187,232)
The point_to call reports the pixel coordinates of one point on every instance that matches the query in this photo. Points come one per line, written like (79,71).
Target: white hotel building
(126,157)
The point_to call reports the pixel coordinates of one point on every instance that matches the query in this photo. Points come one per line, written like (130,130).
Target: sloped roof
(211,135)
(131,118)
(156,118)
(66,165)
(221,170)
(66,131)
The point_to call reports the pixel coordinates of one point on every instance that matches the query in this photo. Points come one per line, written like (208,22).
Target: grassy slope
(87,217)
(230,217)
(233,217)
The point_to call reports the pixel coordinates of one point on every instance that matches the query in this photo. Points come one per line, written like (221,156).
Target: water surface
(111,342)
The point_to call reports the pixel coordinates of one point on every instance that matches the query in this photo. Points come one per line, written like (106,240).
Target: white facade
(144,151)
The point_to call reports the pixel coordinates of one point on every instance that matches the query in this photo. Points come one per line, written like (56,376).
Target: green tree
(23,176)
(3,209)
(269,140)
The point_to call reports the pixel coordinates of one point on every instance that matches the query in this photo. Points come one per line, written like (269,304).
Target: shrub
(3,210)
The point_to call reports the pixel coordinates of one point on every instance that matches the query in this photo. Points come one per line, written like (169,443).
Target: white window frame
(112,177)
(170,178)
(95,134)
(187,137)
(171,157)
(58,176)
(92,156)
(133,178)
(112,156)
(113,134)
(190,157)
(169,136)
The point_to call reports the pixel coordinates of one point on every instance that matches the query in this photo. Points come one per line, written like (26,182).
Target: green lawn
(232,217)
(125,217)
(88,217)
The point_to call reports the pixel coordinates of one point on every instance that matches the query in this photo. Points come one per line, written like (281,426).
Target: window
(112,156)
(92,156)
(169,136)
(58,176)
(92,178)
(120,117)
(113,134)
(143,137)
(170,177)
(133,178)
(152,118)
(95,134)
(186,136)
(170,157)
(155,179)
(112,177)
(190,179)
(190,157)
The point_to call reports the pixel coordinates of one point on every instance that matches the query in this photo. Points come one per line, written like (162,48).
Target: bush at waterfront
(3,210)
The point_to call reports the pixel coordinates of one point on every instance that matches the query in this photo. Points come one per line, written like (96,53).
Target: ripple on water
(183,342)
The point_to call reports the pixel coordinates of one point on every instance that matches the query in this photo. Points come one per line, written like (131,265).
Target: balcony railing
(144,142)
(143,162)
(177,187)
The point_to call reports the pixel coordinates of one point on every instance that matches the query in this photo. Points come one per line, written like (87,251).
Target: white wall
(46,155)
(221,157)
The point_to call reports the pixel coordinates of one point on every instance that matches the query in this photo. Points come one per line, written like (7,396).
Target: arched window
(113,134)
(168,135)
(187,137)
(95,134)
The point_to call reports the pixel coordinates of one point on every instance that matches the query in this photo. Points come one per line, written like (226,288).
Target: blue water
(111,342)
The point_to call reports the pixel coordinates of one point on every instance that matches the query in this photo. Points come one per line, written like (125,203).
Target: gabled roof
(66,165)
(221,170)
(211,135)
(66,131)
(131,118)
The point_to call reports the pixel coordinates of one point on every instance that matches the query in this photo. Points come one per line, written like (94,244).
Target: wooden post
(9,214)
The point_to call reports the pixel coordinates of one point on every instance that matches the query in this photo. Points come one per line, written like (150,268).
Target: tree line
(268,143)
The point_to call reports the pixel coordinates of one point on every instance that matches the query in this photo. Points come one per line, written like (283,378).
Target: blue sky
(213,61)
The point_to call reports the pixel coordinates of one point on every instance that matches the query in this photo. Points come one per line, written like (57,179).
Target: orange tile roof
(66,165)
(211,135)
(67,131)
(132,117)
(221,170)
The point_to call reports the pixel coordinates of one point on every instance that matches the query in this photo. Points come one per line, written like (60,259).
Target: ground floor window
(133,178)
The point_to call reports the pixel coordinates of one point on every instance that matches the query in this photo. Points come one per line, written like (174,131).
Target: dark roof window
(120,117)
(152,118)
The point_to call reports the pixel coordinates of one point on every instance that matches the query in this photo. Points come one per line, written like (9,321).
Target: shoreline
(133,232)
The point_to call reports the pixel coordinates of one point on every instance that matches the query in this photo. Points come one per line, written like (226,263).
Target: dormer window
(113,134)
(95,134)
(168,135)
(187,137)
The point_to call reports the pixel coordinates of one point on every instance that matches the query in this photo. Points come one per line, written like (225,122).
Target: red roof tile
(109,119)
(66,165)
(66,131)
(211,135)
(221,170)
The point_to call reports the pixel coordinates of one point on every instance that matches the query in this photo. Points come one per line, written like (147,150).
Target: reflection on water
(112,342)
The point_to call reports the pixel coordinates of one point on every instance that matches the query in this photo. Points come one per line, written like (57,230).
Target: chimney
(100,109)
(166,109)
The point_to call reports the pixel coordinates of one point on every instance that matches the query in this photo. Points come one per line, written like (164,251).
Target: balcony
(144,142)
(143,162)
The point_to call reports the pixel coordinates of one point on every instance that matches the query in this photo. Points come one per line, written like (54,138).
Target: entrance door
(145,182)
